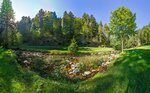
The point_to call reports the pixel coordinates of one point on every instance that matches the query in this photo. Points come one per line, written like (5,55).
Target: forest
(70,54)
(48,29)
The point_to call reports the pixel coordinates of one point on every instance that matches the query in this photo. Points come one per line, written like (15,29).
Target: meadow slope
(130,73)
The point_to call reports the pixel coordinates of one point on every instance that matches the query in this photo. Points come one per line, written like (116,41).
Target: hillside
(127,74)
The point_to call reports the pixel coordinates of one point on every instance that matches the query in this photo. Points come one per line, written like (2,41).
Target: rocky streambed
(67,66)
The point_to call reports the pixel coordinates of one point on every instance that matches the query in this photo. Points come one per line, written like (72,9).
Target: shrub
(115,43)
(18,39)
(133,41)
(73,47)
(38,64)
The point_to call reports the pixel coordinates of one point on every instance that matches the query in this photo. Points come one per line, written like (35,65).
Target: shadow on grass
(135,65)
(138,67)
(130,74)
(96,85)
(12,78)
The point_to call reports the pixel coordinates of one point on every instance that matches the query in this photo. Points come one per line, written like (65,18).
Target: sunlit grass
(64,50)
(129,74)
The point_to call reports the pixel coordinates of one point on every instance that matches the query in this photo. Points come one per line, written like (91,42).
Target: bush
(115,43)
(18,39)
(133,41)
(38,64)
(73,47)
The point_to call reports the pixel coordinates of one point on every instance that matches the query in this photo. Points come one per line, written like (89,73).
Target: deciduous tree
(122,24)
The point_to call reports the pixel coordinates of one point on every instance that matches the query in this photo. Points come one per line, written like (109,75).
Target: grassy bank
(15,79)
(130,73)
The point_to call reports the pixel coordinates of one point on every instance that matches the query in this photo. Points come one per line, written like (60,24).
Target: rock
(86,73)
(110,58)
(70,73)
(93,70)
(99,53)
(68,61)
(107,63)
(103,64)
(76,70)
(27,63)
(73,66)
(73,57)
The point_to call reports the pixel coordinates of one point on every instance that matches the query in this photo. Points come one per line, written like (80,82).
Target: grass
(15,79)
(63,50)
(89,62)
(130,73)
(94,49)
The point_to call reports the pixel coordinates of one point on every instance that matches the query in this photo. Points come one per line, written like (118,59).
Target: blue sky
(101,9)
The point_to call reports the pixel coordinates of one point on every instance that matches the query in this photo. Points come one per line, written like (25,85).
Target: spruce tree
(7,24)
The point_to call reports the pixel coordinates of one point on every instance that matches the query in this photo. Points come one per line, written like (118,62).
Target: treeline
(144,35)
(46,28)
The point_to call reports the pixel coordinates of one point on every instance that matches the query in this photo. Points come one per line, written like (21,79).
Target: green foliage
(24,27)
(18,39)
(133,41)
(36,36)
(89,29)
(73,47)
(7,24)
(45,28)
(67,26)
(115,43)
(103,34)
(107,35)
(122,24)
(38,65)
(100,30)
(144,35)
(78,29)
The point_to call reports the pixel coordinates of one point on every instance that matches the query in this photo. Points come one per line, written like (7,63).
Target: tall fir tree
(100,30)
(7,24)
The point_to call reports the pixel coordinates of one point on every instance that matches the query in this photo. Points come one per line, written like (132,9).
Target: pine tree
(7,24)
(100,30)
(73,47)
